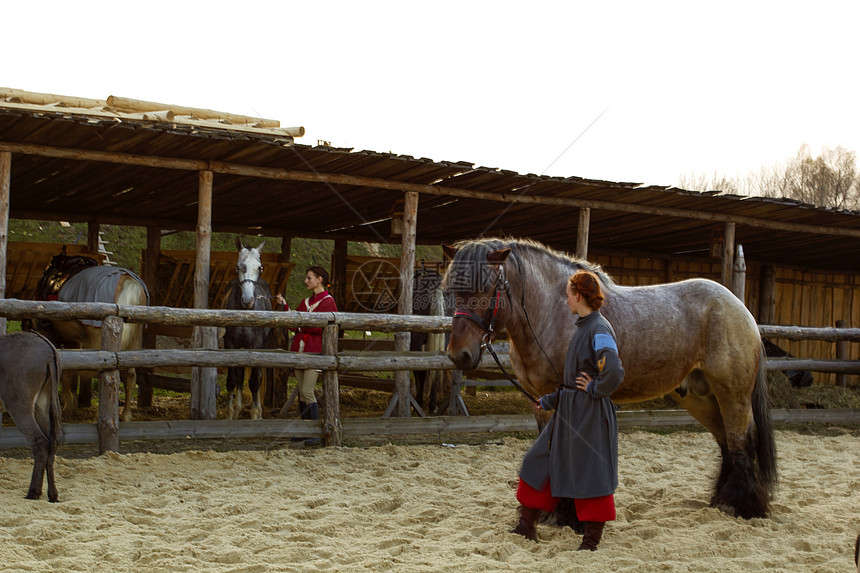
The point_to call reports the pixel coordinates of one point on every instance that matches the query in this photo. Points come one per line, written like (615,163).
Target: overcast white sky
(639,91)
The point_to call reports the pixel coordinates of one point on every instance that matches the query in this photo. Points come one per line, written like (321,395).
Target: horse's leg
(70,401)
(45,421)
(744,483)
(231,391)
(254,384)
(129,377)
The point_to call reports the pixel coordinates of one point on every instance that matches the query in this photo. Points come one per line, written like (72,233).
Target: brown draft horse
(693,334)
(30,370)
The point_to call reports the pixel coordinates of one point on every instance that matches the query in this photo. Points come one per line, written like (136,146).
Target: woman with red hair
(575,458)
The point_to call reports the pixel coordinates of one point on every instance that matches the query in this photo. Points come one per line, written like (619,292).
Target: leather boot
(526,525)
(593,532)
(303,409)
(313,414)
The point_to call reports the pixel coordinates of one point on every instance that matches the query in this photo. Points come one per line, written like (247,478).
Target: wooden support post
(767,296)
(728,255)
(456,405)
(842,352)
(149,273)
(204,383)
(332,430)
(93,236)
(739,275)
(338,277)
(582,233)
(108,417)
(407,266)
(5,190)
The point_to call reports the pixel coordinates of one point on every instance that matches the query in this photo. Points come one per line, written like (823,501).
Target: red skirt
(600,509)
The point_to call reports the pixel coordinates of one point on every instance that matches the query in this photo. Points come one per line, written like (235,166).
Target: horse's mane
(470,262)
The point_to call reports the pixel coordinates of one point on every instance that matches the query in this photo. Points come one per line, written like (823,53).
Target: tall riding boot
(593,532)
(313,414)
(303,412)
(526,525)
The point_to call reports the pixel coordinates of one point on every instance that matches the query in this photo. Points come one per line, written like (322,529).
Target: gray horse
(30,371)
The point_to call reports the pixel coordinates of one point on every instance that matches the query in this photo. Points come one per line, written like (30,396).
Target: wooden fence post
(5,190)
(332,430)
(108,418)
(407,267)
(204,381)
(842,352)
(739,277)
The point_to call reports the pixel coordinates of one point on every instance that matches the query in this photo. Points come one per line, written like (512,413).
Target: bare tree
(829,180)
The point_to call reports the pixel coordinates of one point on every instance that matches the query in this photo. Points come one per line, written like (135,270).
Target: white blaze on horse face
(248,271)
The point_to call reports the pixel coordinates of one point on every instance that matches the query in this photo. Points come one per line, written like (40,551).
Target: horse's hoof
(33,495)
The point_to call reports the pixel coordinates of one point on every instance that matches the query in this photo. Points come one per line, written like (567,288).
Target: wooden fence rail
(334,362)
(357,427)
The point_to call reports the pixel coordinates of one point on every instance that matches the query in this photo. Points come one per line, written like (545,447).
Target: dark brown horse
(693,334)
(29,374)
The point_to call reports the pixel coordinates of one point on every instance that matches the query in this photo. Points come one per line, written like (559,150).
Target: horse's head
(476,278)
(249,268)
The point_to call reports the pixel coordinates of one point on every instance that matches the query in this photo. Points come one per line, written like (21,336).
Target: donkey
(30,371)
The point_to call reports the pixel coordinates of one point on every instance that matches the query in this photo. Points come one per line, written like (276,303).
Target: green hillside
(126,244)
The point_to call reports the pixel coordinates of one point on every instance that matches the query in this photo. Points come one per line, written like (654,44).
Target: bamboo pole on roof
(124,104)
(37,98)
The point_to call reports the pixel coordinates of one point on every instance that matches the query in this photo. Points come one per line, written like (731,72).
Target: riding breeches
(307,381)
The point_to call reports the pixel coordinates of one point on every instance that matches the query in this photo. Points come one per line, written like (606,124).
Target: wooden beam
(5,188)
(380,183)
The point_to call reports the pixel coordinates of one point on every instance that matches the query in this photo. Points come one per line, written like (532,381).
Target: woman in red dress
(309,339)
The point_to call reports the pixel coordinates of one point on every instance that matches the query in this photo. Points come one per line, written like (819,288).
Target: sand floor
(420,508)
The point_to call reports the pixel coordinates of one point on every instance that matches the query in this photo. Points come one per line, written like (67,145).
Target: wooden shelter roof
(86,160)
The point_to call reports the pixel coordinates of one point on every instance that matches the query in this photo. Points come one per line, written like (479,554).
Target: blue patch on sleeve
(602,341)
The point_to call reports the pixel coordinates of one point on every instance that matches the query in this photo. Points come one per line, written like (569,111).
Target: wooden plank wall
(27,261)
(176,276)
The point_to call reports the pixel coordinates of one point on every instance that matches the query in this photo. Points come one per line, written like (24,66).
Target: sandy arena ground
(419,508)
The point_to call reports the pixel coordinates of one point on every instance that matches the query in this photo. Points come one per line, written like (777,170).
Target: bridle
(488,321)
(252,281)
(487,324)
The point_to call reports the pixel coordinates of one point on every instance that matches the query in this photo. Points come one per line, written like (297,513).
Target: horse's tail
(765,444)
(53,371)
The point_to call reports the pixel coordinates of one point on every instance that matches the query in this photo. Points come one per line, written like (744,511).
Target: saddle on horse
(61,269)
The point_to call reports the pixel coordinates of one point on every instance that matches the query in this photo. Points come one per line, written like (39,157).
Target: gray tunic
(577,451)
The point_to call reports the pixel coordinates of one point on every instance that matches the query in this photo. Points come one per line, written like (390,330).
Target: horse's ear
(499,256)
(260,246)
(449,251)
(239,244)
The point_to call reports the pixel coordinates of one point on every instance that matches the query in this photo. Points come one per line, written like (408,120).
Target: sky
(645,92)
